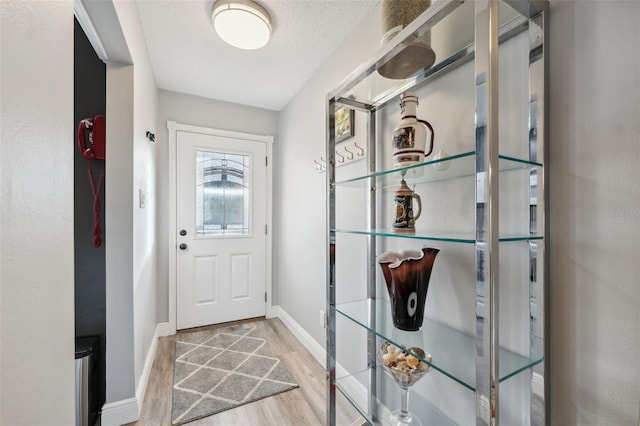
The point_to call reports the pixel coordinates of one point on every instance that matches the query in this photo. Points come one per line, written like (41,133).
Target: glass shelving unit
(461,32)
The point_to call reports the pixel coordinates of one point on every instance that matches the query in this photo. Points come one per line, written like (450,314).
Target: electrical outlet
(322,319)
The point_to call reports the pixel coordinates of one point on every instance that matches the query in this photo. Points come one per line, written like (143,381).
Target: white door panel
(206,279)
(221,209)
(240,276)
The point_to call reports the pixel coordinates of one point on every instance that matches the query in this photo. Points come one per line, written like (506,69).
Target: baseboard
(301,334)
(360,394)
(270,312)
(120,412)
(128,410)
(356,390)
(162,329)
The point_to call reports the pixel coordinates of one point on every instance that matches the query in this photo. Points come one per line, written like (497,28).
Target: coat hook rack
(349,151)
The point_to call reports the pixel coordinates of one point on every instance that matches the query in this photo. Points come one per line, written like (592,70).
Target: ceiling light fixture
(242,23)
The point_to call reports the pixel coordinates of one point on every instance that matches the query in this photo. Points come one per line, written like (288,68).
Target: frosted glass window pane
(222,194)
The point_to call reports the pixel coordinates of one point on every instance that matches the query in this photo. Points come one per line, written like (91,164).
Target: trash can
(86,354)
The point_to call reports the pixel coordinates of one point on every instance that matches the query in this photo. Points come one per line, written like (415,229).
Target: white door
(221,225)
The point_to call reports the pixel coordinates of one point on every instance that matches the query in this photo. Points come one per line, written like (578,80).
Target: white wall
(130,333)
(37,211)
(36,225)
(595,212)
(145,100)
(197,111)
(595,206)
(119,228)
(299,195)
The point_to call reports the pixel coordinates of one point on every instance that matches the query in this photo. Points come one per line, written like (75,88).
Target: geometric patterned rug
(221,369)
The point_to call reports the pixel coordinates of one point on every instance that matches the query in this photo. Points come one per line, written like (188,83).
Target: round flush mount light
(242,23)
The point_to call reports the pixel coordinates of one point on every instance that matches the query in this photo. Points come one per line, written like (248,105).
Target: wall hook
(360,152)
(321,165)
(151,136)
(341,159)
(349,153)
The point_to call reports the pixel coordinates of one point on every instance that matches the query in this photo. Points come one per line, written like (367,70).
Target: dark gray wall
(90,282)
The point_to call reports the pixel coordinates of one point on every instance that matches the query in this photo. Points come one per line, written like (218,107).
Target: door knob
(183,232)
(183,246)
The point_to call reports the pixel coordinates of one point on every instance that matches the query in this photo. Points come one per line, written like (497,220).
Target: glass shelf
(450,237)
(417,404)
(451,27)
(453,351)
(460,165)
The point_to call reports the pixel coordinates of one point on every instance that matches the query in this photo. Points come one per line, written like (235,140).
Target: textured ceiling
(188,56)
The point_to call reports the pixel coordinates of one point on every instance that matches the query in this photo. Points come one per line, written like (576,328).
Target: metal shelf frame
(484,52)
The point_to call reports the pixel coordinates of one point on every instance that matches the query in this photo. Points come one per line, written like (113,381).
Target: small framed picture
(344,124)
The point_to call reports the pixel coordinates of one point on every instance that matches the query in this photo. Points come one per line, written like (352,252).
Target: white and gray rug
(222,369)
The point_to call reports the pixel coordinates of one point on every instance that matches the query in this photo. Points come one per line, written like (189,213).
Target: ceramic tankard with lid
(410,136)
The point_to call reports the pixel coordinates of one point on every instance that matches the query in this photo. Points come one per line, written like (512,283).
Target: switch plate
(322,319)
(142,195)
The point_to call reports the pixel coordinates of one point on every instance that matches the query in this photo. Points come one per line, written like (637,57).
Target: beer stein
(405,218)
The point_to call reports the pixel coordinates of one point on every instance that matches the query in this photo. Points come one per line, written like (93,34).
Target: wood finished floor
(302,406)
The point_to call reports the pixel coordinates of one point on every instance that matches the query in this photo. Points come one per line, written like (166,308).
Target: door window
(222,194)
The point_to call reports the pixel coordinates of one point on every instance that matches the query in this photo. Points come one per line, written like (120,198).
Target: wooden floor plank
(302,406)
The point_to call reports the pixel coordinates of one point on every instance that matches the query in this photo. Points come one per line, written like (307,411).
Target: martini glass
(406,369)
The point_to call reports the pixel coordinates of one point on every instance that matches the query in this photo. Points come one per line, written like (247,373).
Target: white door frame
(173,128)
